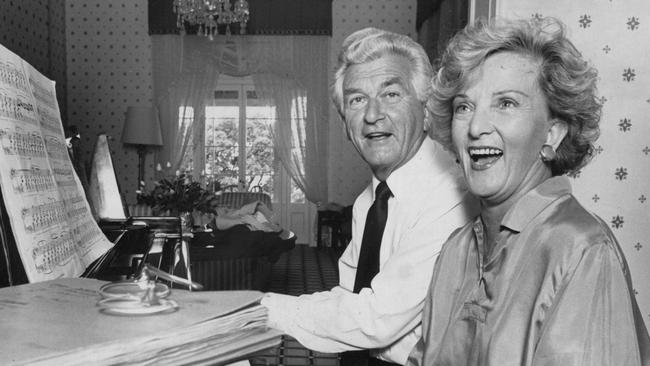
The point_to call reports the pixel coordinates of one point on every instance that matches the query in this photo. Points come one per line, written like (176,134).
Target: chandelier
(208,14)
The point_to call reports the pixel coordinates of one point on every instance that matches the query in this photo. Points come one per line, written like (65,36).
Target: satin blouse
(555,290)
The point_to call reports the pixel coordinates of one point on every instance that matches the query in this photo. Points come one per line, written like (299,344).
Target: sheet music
(51,220)
(210,327)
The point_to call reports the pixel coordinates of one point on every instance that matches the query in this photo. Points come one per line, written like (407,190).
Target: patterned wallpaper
(109,69)
(35,30)
(613,35)
(348,173)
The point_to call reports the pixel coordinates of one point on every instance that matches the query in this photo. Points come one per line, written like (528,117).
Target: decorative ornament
(547,153)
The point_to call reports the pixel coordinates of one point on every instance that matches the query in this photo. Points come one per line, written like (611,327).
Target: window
(238,143)
(238,124)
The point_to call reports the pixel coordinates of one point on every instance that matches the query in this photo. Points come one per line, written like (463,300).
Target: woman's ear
(428,121)
(556,133)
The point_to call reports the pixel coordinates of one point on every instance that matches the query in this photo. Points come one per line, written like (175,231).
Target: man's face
(383,117)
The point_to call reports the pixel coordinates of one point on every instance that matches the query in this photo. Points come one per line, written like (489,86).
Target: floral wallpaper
(35,31)
(614,35)
(108,70)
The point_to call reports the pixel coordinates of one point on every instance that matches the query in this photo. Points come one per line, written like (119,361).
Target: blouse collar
(535,201)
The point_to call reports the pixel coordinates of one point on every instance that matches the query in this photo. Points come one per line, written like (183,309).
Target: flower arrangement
(176,195)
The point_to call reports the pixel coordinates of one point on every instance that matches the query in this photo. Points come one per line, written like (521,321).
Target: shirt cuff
(278,307)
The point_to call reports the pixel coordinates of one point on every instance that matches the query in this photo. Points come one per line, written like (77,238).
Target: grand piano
(137,240)
(49,238)
(233,259)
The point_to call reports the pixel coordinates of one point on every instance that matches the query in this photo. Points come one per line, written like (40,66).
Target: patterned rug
(303,270)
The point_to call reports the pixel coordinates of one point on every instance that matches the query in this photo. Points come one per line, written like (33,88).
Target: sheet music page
(51,220)
(221,324)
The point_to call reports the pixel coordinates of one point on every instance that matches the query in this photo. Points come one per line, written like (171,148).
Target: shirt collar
(535,201)
(431,160)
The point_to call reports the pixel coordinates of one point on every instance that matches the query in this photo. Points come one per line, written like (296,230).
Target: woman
(535,279)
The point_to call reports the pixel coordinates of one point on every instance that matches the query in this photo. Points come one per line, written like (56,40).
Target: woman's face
(500,122)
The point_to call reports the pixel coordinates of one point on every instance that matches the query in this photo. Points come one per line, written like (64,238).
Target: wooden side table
(335,220)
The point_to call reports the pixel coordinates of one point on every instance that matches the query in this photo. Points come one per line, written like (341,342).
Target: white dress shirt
(429,202)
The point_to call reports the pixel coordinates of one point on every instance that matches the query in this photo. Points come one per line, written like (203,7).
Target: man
(381,89)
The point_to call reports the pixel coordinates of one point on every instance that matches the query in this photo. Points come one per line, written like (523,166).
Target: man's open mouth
(378,135)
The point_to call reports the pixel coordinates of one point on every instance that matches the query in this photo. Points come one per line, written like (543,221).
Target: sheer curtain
(289,72)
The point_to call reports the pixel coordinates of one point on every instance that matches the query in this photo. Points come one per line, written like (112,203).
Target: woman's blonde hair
(566,79)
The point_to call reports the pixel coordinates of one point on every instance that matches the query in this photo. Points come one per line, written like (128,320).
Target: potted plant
(178,196)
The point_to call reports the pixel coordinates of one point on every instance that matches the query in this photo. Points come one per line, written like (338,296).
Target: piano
(157,241)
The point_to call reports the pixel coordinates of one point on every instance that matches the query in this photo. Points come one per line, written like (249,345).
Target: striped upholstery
(140,209)
(236,200)
(143,210)
(232,200)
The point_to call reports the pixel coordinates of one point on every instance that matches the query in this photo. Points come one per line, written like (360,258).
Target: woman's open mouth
(484,157)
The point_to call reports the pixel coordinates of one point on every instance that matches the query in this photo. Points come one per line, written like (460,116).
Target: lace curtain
(289,72)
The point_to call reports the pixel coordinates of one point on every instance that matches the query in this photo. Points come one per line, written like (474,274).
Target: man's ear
(556,133)
(344,126)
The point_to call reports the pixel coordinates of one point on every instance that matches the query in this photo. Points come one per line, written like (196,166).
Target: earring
(547,153)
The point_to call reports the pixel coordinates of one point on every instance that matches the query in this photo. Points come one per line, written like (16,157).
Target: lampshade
(142,127)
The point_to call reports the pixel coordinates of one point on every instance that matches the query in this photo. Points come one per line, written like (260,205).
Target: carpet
(305,270)
(302,270)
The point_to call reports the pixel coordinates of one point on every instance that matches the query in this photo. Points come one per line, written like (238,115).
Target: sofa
(237,258)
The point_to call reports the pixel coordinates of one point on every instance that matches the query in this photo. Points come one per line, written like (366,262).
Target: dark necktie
(368,265)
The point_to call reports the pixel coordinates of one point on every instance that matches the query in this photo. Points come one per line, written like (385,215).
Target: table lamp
(142,129)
